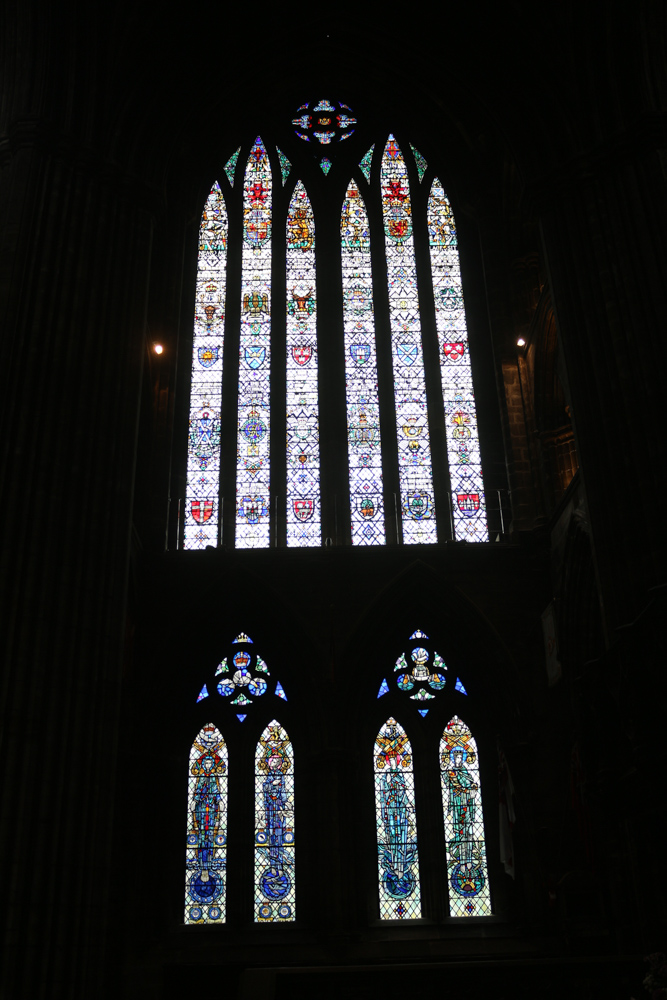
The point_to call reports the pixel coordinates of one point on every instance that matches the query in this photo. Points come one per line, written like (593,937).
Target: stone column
(74,254)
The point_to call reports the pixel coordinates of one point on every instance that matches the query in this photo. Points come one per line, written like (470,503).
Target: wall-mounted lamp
(158,348)
(521,342)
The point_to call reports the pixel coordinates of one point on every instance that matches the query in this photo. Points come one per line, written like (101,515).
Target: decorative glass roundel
(324,122)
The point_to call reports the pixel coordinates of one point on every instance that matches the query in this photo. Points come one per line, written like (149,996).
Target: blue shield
(207,356)
(254,356)
(360,353)
(407,353)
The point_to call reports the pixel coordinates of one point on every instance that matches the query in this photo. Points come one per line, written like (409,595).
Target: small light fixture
(521,342)
(158,348)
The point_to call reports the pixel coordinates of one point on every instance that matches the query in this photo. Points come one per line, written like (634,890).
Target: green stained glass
(422,165)
(230,166)
(285,165)
(365,163)
(325,164)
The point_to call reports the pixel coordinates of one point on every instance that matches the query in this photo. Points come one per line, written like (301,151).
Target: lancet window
(262,517)
(206,852)
(274,827)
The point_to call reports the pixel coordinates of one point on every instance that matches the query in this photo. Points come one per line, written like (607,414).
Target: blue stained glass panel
(464,823)
(206,838)
(384,688)
(202,694)
(274,827)
(398,861)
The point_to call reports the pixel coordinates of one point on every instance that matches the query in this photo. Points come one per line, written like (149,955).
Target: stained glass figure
(274,826)
(414,448)
(463,452)
(464,823)
(326,165)
(303,451)
(324,122)
(206,854)
(252,469)
(285,166)
(398,862)
(361,380)
(422,165)
(230,166)
(203,473)
(384,688)
(459,687)
(366,163)
(202,694)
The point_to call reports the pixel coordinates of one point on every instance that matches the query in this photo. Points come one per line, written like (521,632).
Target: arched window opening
(206,855)
(465,467)
(396,826)
(464,823)
(203,474)
(361,376)
(303,452)
(254,412)
(412,430)
(274,827)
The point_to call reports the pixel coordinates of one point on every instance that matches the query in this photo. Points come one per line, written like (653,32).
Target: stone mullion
(76,326)
(604,244)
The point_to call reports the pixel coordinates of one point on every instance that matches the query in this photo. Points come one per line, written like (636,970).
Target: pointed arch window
(378,364)
(274,827)
(303,452)
(464,822)
(396,825)
(206,856)
(254,398)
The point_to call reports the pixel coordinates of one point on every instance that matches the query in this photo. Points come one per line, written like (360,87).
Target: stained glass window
(274,826)
(230,166)
(414,448)
(460,414)
(206,853)
(464,823)
(203,475)
(398,862)
(303,451)
(252,468)
(361,380)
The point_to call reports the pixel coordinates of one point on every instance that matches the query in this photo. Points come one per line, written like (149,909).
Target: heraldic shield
(407,353)
(302,354)
(417,505)
(468,503)
(254,357)
(454,351)
(253,508)
(303,509)
(207,356)
(202,510)
(360,353)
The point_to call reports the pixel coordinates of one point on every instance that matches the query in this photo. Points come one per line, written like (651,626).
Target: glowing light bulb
(158,348)
(521,342)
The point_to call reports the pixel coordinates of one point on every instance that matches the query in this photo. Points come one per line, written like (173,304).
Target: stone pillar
(605,237)
(74,256)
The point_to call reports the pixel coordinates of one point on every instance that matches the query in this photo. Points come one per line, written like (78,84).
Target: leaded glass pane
(206,853)
(414,448)
(303,451)
(274,826)
(203,475)
(361,380)
(460,414)
(252,469)
(464,823)
(398,862)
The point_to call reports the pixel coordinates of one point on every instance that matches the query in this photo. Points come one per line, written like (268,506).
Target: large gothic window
(392,326)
